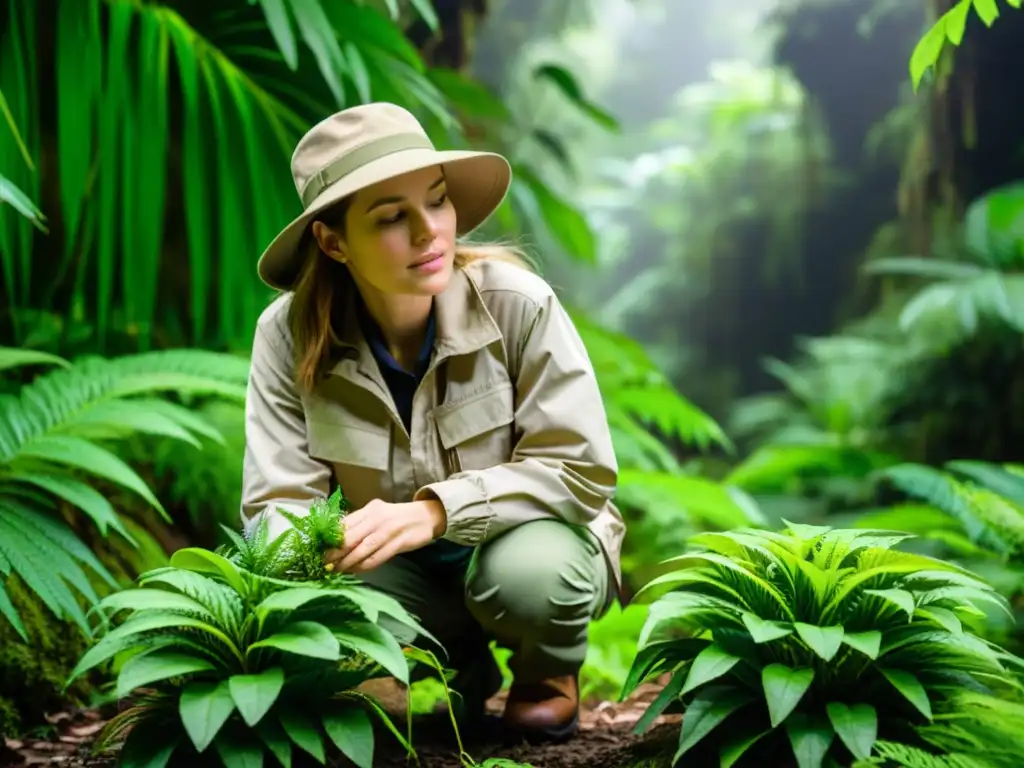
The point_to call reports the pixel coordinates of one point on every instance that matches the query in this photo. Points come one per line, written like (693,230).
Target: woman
(444,388)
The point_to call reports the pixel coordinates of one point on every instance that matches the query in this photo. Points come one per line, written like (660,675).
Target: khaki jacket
(508,425)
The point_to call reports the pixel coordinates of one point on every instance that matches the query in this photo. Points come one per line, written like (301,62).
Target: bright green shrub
(812,645)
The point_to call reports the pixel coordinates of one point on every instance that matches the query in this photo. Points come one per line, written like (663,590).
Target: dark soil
(605,740)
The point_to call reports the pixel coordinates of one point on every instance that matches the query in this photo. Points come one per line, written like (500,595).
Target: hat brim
(477,183)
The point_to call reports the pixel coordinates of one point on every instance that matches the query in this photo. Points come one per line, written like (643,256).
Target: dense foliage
(815,642)
(845,574)
(253,650)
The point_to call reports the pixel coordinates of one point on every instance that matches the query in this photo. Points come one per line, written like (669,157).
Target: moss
(33,673)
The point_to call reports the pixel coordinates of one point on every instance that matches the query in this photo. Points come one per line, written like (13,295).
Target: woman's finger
(366,547)
(377,558)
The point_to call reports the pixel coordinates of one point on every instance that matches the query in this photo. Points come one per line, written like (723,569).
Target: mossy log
(32,674)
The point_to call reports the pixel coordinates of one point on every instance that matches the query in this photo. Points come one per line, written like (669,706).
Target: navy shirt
(402,384)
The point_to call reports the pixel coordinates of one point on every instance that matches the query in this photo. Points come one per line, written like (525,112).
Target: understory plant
(815,647)
(61,439)
(251,649)
(975,511)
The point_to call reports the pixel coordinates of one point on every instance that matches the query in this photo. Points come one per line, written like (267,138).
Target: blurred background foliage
(798,278)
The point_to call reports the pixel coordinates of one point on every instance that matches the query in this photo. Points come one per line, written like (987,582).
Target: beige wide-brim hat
(363,145)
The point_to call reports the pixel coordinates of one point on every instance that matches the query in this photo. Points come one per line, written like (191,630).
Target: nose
(425,230)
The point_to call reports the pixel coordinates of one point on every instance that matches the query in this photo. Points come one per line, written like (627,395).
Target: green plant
(812,644)
(57,434)
(950,27)
(145,92)
(246,661)
(297,555)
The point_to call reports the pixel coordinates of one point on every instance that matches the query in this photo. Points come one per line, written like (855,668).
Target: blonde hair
(321,280)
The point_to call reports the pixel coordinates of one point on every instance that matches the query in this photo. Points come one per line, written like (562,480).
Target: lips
(426,259)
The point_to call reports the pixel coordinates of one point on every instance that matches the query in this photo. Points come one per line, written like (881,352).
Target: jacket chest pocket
(361,457)
(477,433)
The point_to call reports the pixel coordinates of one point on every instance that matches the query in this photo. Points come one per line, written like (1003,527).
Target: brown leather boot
(544,711)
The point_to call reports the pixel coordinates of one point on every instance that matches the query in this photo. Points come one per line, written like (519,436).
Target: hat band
(359,157)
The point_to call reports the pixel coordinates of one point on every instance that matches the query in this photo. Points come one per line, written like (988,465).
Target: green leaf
(10,193)
(374,603)
(469,97)
(7,611)
(856,725)
(319,36)
(89,457)
(666,696)
(281,29)
(204,708)
(204,561)
(16,357)
(378,644)
(710,664)
(783,689)
(566,82)
(868,643)
(117,418)
(737,746)
(123,636)
(148,746)
(141,599)
(810,739)
(824,641)
(899,597)
(238,752)
(911,688)
(83,496)
(352,733)
(926,53)
(762,631)
(303,638)
(956,22)
(705,713)
(987,10)
(277,741)
(156,666)
(255,694)
(303,732)
(567,224)
(289,600)
(425,9)
(944,618)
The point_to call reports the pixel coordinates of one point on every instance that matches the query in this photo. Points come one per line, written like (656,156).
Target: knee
(537,577)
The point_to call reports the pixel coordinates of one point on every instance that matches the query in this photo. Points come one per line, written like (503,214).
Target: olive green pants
(534,590)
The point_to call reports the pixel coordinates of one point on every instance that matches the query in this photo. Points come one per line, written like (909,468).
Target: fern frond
(64,397)
(987,518)
(907,756)
(632,385)
(49,559)
(296,554)
(15,357)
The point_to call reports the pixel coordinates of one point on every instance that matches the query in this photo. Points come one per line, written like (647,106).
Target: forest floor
(605,740)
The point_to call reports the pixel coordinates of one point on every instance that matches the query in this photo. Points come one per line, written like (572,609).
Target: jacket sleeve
(277,470)
(563,465)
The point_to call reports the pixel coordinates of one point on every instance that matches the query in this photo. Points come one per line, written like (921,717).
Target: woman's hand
(380,530)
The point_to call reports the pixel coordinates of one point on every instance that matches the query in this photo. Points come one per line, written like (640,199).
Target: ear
(330,241)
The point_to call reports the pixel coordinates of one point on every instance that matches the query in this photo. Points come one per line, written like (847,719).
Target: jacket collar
(463,326)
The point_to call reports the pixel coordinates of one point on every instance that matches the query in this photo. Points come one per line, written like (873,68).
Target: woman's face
(399,236)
